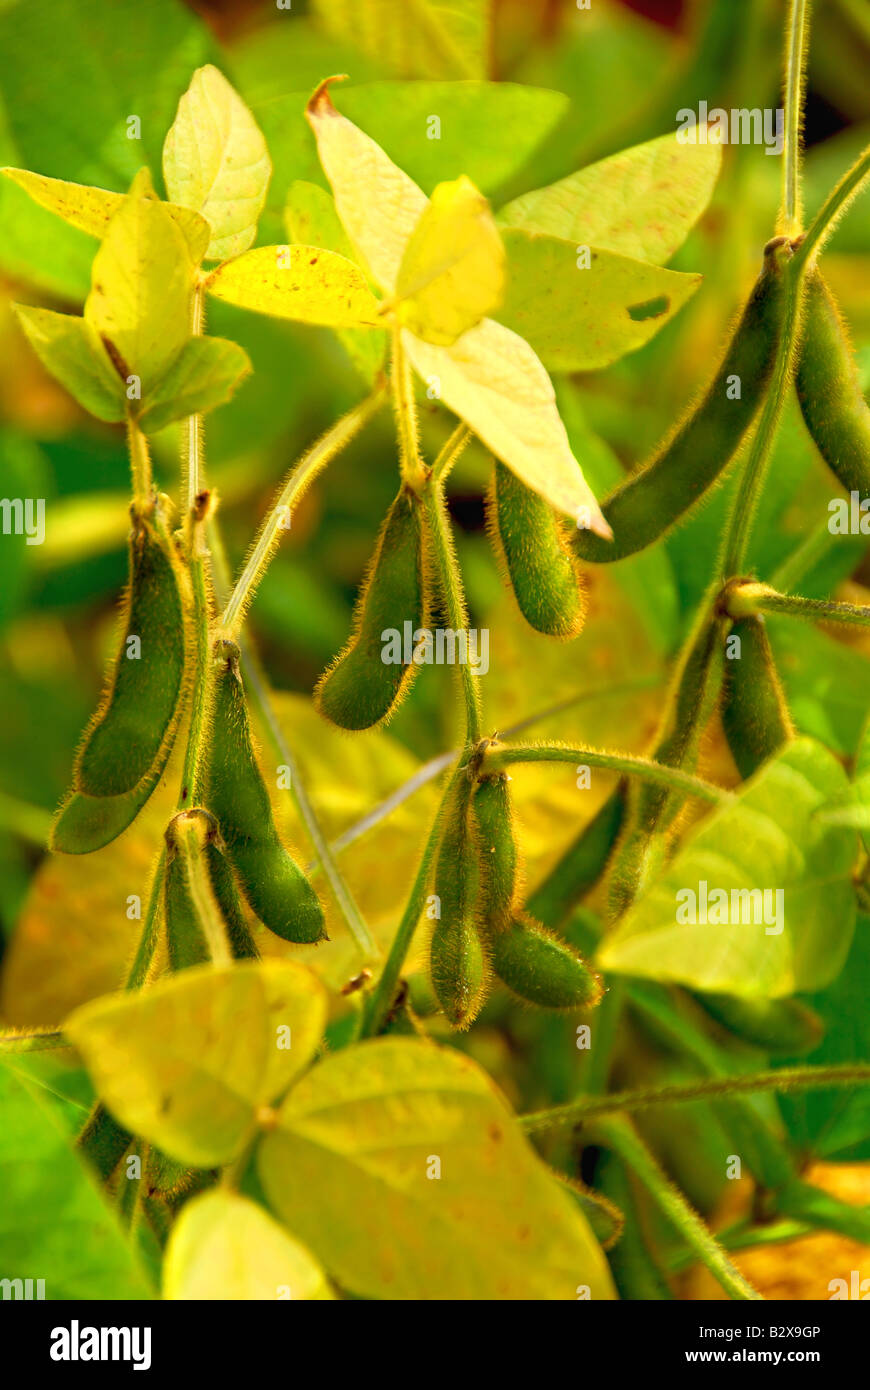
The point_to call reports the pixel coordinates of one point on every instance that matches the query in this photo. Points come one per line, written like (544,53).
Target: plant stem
(814,609)
(450,453)
(22,818)
(190,790)
(278,520)
(708,1088)
(32,1040)
(795,67)
(140,465)
(453,596)
(620,1136)
(138,972)
(194,422)
(384,992)
(256,684)
(411,465)
(645,768)
(832,210)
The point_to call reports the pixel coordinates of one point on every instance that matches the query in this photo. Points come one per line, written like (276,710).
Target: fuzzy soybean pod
(542,969)
(128,732)
(457,960)
(784,1027)
(755,715)
(187,929)
(498,858)
(829,390)
(275,887)
(367,681)
(691,458)
(531,544)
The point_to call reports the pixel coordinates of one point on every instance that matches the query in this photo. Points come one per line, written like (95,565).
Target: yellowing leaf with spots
(139,304)
(215,161)
(453,269)
(298,282)
(189,1062)
(491,378)
(401,1166)
(92,209)
(224,1247)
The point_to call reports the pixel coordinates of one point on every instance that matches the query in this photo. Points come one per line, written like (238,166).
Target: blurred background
(72,73)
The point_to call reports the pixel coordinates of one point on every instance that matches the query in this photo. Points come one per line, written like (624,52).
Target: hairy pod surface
(87,823)
(498,857)
(125,739)
(275,887)
(688,462)
(785,1026)
(829,390)
(755,715)
(457,960)
(361,688)
(186,941)
(542,969)
(531,543)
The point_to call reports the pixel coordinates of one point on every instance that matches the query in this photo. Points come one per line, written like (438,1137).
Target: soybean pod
(87,823)
(124,740)
(531,543)
(457,960)
(368,680)
(498,856)
(829,390)
(195,918)
(755,715)
(273,884)
(688,462)
(542,969)
(783,1027)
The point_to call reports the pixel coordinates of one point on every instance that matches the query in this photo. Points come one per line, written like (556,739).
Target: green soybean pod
(497,856)
(214,914)
(125,738)
(782,1026)
(457,961)
(755,715)
(531,544)
(542,969)
(829,390)
(87,823)
(653,498)
(273,884)
(367,681)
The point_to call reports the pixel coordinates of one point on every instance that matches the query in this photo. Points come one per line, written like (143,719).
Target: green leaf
(311,219)
(825,682)
(189,1063)
(215,161)
(92,209)
(54,1224)
(861,786)
(578,316)
(139,303)
(70,349)
(642,202)
(224,1247)
(204,374)
(297,282)
(453,267)
(770,838)
(401,1166)
(420,38)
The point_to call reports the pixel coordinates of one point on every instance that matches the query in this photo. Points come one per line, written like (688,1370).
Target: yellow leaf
(298,282)
(491,378)
(69,348)
(417,38)
(225,1247)
(351,1169)
(189,1062)
(453,269)
(92,209)
(215,161)
(139,302)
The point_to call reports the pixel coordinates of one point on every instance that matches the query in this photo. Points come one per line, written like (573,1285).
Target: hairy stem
(32,1040)
(832,210)
(140,465)
(336,438)
(453,596)
(758,598)
(620,1136)
(644,768)
(708,1088)
(138,972)
(411,465)
(797,34)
